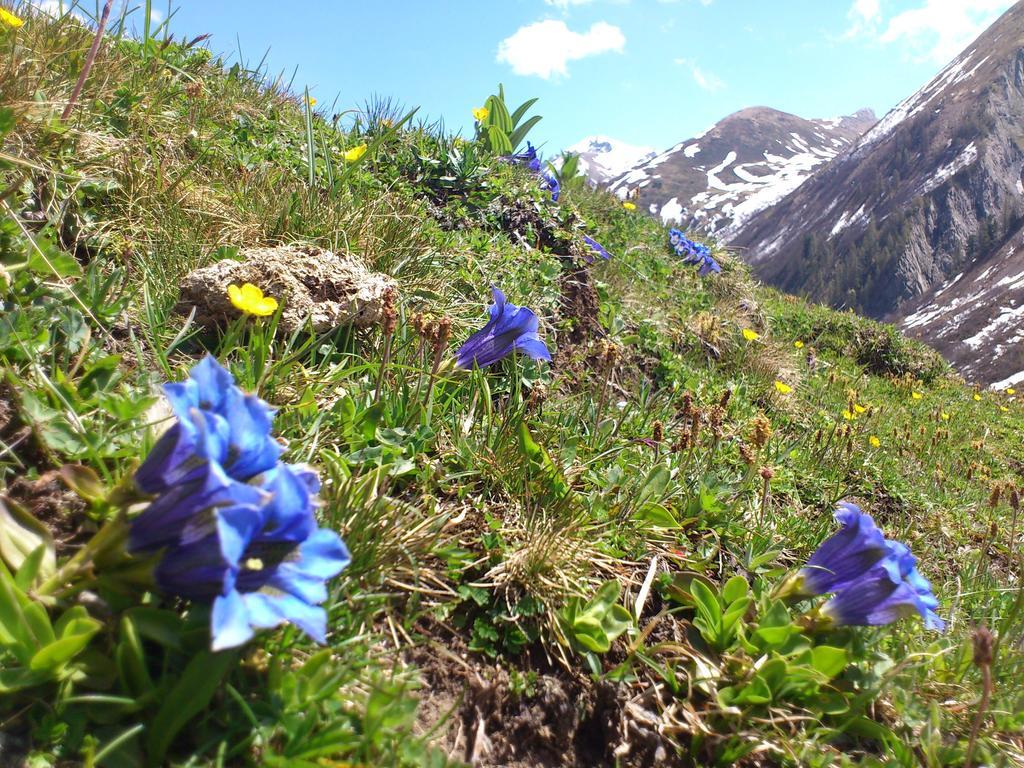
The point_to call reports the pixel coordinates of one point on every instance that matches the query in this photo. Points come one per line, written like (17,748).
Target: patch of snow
(691,150)
(672,211)
(1005,317)
(967,156)
(1020,187)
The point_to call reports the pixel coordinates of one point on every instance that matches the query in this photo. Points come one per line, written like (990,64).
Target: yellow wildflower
(916,395)
(9,19)
(1011,391)
(629,206)
(311,101)
(848,416)
(480,114)
(751,335)
(783,388)
(387,122)
(351,155)
(1003,408)
(977,396)
(859,408)
(945,416)
(798,344)
(250,299)
(875,442)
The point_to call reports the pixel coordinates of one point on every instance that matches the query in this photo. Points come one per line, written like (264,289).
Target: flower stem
(112,534)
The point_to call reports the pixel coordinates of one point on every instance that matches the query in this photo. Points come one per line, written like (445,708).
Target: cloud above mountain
(545,48)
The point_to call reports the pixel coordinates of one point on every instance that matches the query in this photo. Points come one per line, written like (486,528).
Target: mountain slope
(602,158)
(744,163)
(933,190)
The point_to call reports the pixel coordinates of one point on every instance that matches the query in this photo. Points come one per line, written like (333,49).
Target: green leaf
(734,589)
(654,485)
(29,571)
(16,679)
(828,660)
(499,140)
(21,535)
(706,602)
(657,515)
(520,132)
(84,482)
(189,696)
(521,110)
(60,652)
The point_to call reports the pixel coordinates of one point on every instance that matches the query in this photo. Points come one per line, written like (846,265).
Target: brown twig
(984,643)
(88,60)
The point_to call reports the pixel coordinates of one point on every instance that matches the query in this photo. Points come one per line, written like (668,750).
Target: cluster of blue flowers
(875,581)
(693,253)
(528,159)
(235,525)
(510,329)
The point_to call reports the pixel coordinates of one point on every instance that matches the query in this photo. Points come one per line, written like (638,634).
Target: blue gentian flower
(596,247)
(216,422)
(674,236)
(890,590)
(235,526)
(510,328)
(277,582)
(846,555)
(527,158)
(550,183)
(708,265)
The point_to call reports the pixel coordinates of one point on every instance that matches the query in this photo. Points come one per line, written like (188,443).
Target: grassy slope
(460,540)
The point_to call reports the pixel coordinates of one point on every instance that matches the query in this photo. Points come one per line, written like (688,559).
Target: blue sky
(650,72)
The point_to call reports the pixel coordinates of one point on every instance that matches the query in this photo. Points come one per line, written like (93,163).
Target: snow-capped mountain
(602,158)
(717,180)
(921,221)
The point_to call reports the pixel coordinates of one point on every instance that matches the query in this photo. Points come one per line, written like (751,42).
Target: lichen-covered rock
(330,289)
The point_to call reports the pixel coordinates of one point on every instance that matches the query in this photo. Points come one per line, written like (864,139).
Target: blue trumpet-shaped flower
(708,265)
(527,158)
(596,247)
(890,590)
(510,329)
(846,555)
(550,183)
(216,422)
(235,526)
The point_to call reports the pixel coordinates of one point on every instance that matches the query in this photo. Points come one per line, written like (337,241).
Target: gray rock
(329,289)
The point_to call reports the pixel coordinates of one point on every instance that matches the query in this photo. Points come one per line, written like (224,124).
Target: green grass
(486,510)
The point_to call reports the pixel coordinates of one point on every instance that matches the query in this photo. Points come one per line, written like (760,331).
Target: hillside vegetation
(584,562)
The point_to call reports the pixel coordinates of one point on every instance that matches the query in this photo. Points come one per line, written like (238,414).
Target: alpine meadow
(337,440)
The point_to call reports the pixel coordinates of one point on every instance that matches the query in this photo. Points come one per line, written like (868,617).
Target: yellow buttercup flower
(875,442)
(1003,408)
(859,408)
(798,344)
(629,206)
(916,395)
(311,101)
(250,300)
(783,388)
(351,155)
(945,416)
(1011,391)
(9,19)
(848,416)
(751,335)
(977,396)
(480,114)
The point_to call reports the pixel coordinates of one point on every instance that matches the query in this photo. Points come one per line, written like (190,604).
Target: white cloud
(940,29)
(935,30)
(544,48)
(704,79)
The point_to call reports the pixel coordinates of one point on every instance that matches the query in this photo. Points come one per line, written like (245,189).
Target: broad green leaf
(828,660)
(657,515)
(707,604)
(21,534)
(520,132)
(189,696)
(521,110)
(734,589)
(654,485)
